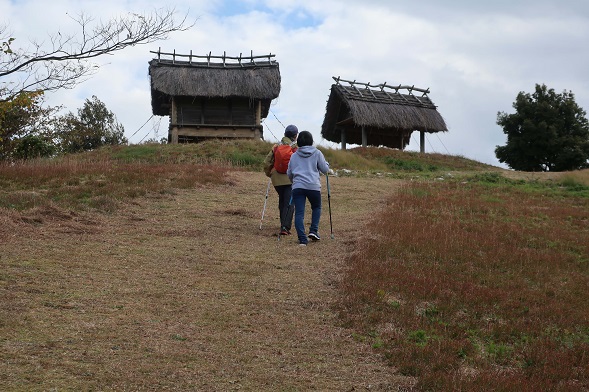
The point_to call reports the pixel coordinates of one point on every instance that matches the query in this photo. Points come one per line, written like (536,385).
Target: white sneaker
(314,236)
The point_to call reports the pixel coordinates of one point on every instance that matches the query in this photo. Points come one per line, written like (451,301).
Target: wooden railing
(382,86)
(224,59)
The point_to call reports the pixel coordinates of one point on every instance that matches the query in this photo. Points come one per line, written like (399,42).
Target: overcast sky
(474,56)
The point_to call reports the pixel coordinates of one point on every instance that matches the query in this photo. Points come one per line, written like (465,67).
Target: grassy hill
(101,178)
(468,277)
(251,154)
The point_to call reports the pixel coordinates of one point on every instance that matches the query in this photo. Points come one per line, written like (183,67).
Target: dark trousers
(284,206)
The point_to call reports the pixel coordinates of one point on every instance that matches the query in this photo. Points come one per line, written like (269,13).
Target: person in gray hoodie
(304,169)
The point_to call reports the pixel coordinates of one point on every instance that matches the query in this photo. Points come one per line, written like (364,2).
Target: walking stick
(265,201)
(329,203)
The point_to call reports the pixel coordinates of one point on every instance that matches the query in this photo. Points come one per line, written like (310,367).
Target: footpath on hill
(185,292)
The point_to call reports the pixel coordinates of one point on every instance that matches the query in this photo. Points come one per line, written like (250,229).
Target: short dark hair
(305,139)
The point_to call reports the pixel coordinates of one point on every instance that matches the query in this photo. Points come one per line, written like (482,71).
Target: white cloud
(474,56)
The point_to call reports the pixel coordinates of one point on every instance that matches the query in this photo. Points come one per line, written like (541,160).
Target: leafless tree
(65,61)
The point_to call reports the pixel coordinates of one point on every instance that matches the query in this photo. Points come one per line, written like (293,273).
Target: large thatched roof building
(378,115)
(213,96)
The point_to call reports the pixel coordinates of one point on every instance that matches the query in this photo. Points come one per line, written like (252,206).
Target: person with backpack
(304,169)
(275,166)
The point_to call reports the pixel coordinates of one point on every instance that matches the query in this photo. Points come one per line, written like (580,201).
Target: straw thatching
(170,78)
(387,116)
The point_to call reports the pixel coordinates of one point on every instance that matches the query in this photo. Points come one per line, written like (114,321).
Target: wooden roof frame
(208,76)
(382,114)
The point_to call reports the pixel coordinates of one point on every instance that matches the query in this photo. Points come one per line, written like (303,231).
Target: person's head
(305,139)
(291,132)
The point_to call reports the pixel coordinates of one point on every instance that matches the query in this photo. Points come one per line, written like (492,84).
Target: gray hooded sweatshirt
(304,167)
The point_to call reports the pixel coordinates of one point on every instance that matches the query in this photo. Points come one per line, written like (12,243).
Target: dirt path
(186,293)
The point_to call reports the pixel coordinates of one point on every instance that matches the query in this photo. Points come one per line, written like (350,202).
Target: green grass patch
(422,162)
(250,154)
(567,186)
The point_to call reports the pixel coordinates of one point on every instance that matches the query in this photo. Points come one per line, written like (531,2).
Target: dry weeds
(184,292)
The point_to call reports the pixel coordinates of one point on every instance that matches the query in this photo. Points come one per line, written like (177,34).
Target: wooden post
(174,122)
(421,141)
(259,113)
(343,137)
(174,135)
(364,137)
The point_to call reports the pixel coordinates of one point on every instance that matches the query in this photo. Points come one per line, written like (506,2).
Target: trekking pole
(265,201)
(329,203)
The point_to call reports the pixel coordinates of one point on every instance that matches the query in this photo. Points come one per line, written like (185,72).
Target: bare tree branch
(67,60)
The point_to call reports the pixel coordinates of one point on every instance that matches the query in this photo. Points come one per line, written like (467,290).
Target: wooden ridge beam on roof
(387,94)
(385,97)
(225,59)
(371,92)
(410,89)
(358,91)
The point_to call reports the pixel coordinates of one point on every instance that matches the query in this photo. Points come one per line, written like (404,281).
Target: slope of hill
(183,291)
(144,267)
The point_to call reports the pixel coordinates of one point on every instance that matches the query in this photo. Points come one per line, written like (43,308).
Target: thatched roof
(387,115)
(252,79)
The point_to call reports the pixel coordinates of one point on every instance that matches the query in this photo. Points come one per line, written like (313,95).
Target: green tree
(21,116)
(548,132)
(33,146)
(93,127)
(62,61)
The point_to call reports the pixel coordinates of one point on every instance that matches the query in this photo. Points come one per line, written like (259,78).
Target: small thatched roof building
(364,114)
(213,96)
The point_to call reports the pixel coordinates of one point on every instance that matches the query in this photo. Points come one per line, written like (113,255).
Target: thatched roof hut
(364,114)
(219,93)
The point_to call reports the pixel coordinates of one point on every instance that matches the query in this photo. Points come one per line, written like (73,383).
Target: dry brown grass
(182,292)
(96,184)
(139,270)
(477,287)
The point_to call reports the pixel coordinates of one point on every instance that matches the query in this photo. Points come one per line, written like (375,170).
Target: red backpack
(282,155)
